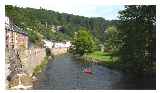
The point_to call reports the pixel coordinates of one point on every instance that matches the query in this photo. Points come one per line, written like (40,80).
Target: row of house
(15,37)
(50,44)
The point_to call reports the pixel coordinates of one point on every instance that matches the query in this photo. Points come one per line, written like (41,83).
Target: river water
(67,73)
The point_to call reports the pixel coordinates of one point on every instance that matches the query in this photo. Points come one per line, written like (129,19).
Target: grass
(104,58)
(100,56)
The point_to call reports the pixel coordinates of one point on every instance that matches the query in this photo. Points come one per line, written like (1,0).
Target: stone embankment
(58,51)
(22,63)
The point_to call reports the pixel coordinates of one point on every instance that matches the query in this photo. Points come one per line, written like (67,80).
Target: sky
(88,8)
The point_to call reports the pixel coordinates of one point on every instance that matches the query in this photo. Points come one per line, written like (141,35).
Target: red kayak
(87,70)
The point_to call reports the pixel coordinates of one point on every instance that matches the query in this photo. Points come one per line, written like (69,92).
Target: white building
(62,44)
(48,44)
(53,28)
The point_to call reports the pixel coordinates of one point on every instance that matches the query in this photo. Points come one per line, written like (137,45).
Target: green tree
(36,19)
(112,41)
(137,32)
(83,42)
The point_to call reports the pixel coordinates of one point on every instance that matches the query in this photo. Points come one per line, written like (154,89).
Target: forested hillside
(41,21)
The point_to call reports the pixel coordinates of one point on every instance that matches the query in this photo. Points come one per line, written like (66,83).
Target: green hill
(39,23)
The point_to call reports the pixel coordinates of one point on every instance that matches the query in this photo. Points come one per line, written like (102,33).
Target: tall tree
(83,43)
(112,38)
(138,35)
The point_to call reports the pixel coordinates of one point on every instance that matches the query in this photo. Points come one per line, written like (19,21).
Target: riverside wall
(59,51)
(35,57)
(30,58)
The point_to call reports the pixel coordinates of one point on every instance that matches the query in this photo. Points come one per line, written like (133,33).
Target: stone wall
(20,64)
(30,58)
(59,51)
(34,57)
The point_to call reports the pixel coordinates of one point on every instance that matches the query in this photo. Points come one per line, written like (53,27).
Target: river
(67,73)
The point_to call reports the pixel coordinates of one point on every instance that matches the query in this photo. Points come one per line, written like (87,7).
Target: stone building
(16,38)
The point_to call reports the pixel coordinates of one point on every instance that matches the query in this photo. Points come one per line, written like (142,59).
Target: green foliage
(48,52)
(33,36)
(41,21)
(39,68)
(112,41)
(83,43)
(100,56)
(137,33)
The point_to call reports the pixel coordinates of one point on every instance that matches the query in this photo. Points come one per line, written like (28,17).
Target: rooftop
(11,27)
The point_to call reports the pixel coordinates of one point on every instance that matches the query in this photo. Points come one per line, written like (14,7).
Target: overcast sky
(88,8)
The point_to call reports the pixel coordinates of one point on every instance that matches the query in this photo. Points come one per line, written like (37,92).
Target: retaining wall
(34,57)
(30,58)
(59,51)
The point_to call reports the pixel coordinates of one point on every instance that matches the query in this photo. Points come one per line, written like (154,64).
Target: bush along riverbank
(107,59)
(99,57)
(111,60)
(39,68)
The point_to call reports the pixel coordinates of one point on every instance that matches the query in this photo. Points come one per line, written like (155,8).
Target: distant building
(48,44)
(15,37)
(60,29)
(62,44)
(53,44)
(53,28)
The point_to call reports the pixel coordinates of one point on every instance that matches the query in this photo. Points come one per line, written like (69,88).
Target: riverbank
(50,55)
(99,56)
(111,61)
(104,58)
(39,68)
